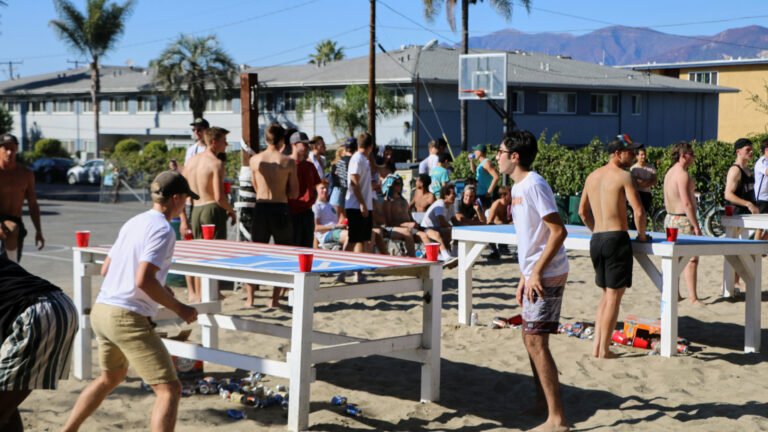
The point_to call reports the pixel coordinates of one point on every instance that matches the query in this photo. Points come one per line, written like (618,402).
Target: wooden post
(372,75)
(249,109)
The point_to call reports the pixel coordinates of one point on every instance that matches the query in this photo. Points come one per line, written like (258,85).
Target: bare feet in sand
(546,427)
(608,355)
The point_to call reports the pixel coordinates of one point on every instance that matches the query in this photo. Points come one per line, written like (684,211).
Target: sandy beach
(486,378)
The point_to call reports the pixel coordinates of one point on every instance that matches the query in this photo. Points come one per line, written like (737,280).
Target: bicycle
(709,212)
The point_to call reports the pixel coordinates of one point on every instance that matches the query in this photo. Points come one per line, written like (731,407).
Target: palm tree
(92,35)
(432,8)
(326,51)
(189,64)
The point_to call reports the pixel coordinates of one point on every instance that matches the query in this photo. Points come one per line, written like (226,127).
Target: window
(637,107)
(604,104)
(12,105)
(62,106)
(118,104)
(146,104)
(180,105)
(36,106)
(703,77)
(86,105)
(216,104)
(290,99)
(557,103)
(518,101)
(266,102)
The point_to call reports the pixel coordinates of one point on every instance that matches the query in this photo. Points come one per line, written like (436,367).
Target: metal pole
(372,74)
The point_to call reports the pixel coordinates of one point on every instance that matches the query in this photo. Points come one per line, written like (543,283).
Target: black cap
(351,144)
(622,142)
(200,122)
(168,183)
(298,137)
(6,138)
(741,142)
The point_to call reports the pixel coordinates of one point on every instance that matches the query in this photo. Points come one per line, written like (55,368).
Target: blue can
(354,410)
(338,400)
(235,414)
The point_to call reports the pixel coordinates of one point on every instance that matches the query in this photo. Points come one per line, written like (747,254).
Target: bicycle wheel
(713,226)
(657,221)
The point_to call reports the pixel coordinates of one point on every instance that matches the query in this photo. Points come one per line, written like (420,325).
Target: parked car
(89,172)
(50,170)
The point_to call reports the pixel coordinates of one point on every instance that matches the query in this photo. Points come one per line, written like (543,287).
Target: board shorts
(680,222)
(332,236)
(360,228)
(543,315)
(209,214)
(611,254)
(271,219)
(127,338)
(22,234)
(36,353)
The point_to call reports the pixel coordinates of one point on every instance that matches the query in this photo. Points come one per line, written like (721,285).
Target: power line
(10,64)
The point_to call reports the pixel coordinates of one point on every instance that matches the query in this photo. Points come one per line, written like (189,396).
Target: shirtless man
(17,183)
(422,197)
(680,202)
(603,208)
(275,181)
(397,215)
(205,174)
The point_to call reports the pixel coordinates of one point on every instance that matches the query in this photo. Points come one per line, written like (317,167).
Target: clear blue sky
(262,32)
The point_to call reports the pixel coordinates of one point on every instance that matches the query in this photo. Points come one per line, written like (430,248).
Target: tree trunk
(95,89)
(372,74)
(464,50)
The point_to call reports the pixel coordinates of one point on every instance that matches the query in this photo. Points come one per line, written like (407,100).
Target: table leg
(210,292)
(468,253)
(430,334)
(82,361)
(670,269)
(752,325)
(729,276)
(300,356)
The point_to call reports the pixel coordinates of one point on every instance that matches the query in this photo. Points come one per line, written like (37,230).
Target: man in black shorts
(359,199)
(37,325)
(603,209)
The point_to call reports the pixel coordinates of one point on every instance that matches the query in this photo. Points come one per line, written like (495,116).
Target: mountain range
(620,45)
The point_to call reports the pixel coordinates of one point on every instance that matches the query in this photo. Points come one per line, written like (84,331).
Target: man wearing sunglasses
(603,208)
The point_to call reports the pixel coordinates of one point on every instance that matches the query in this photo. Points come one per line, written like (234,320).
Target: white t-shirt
(761,180)
(145,237)
(425,166)
(432,215)
(532,199)
(360,165)
(325,214)
(197,147)
(319,164)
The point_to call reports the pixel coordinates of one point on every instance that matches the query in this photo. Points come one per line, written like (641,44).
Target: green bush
(6,120)
(128,145)
(156,147)
(461,168)
(49,147)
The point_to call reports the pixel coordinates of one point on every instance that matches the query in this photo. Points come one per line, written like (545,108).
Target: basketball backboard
(483,76)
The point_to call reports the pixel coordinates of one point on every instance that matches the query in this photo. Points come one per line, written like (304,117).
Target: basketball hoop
(480,93)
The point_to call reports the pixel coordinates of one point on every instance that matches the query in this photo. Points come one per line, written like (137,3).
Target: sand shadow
(721,335)
(503,399)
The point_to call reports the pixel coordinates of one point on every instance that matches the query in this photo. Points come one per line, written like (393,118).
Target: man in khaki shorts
(133,288)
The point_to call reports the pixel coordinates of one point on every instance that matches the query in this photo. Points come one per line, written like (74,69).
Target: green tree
(326,51)
(349,115)
(49,147)
(189,65)
(128,145)
(93,35)
(432,8)
(6,121)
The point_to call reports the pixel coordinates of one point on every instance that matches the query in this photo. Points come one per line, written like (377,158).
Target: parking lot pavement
(60,220)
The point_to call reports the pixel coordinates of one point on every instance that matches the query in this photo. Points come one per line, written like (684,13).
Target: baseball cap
(479,147)
(298,137)
(350,144)
(741,142)
(622,142)
(168,183)
(200,122)
(6,138)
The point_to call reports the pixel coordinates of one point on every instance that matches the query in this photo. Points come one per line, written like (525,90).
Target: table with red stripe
(277,266)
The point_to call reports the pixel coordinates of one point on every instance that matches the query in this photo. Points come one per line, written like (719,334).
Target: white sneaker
(360,277)
(445,255)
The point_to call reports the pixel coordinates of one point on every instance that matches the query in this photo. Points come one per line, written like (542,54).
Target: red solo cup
(516,320)
(188,235)
(433,250)
(729,210)
(638,342)
(82,238)
(619,337)
(227,187)
(209,231)
(345,221)
(305,262)
(671,234)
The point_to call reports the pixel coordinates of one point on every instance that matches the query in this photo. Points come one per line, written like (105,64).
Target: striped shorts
(543,315)
(36,352)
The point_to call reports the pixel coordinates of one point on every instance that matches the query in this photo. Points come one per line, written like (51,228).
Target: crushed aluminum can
(473,319)
(499,323)
(280,388)
(187,390)
(339,400)
(516,320)
(235,414)
(353,410)
(588,332)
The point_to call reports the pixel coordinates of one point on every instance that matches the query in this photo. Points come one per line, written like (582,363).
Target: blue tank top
(483,179)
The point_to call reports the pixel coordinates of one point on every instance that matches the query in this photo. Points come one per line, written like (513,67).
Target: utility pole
(464,50)
(75,62)
(10,68)
(372,74)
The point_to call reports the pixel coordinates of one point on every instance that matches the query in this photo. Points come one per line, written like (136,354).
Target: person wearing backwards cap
(133,288)
(603,208)
(739,182)
(199,127)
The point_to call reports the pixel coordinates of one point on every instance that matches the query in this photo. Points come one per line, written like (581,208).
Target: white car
(89,172)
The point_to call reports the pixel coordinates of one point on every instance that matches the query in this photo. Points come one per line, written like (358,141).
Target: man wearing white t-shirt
(426,165)
(327,226)
(359,200)
(437,221)
(543,266)
(133,288)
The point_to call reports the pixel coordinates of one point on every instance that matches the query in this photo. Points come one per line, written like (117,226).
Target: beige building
(737,116)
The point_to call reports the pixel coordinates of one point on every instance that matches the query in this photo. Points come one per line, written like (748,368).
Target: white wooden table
(255,263)
(744,255)
(739,226)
